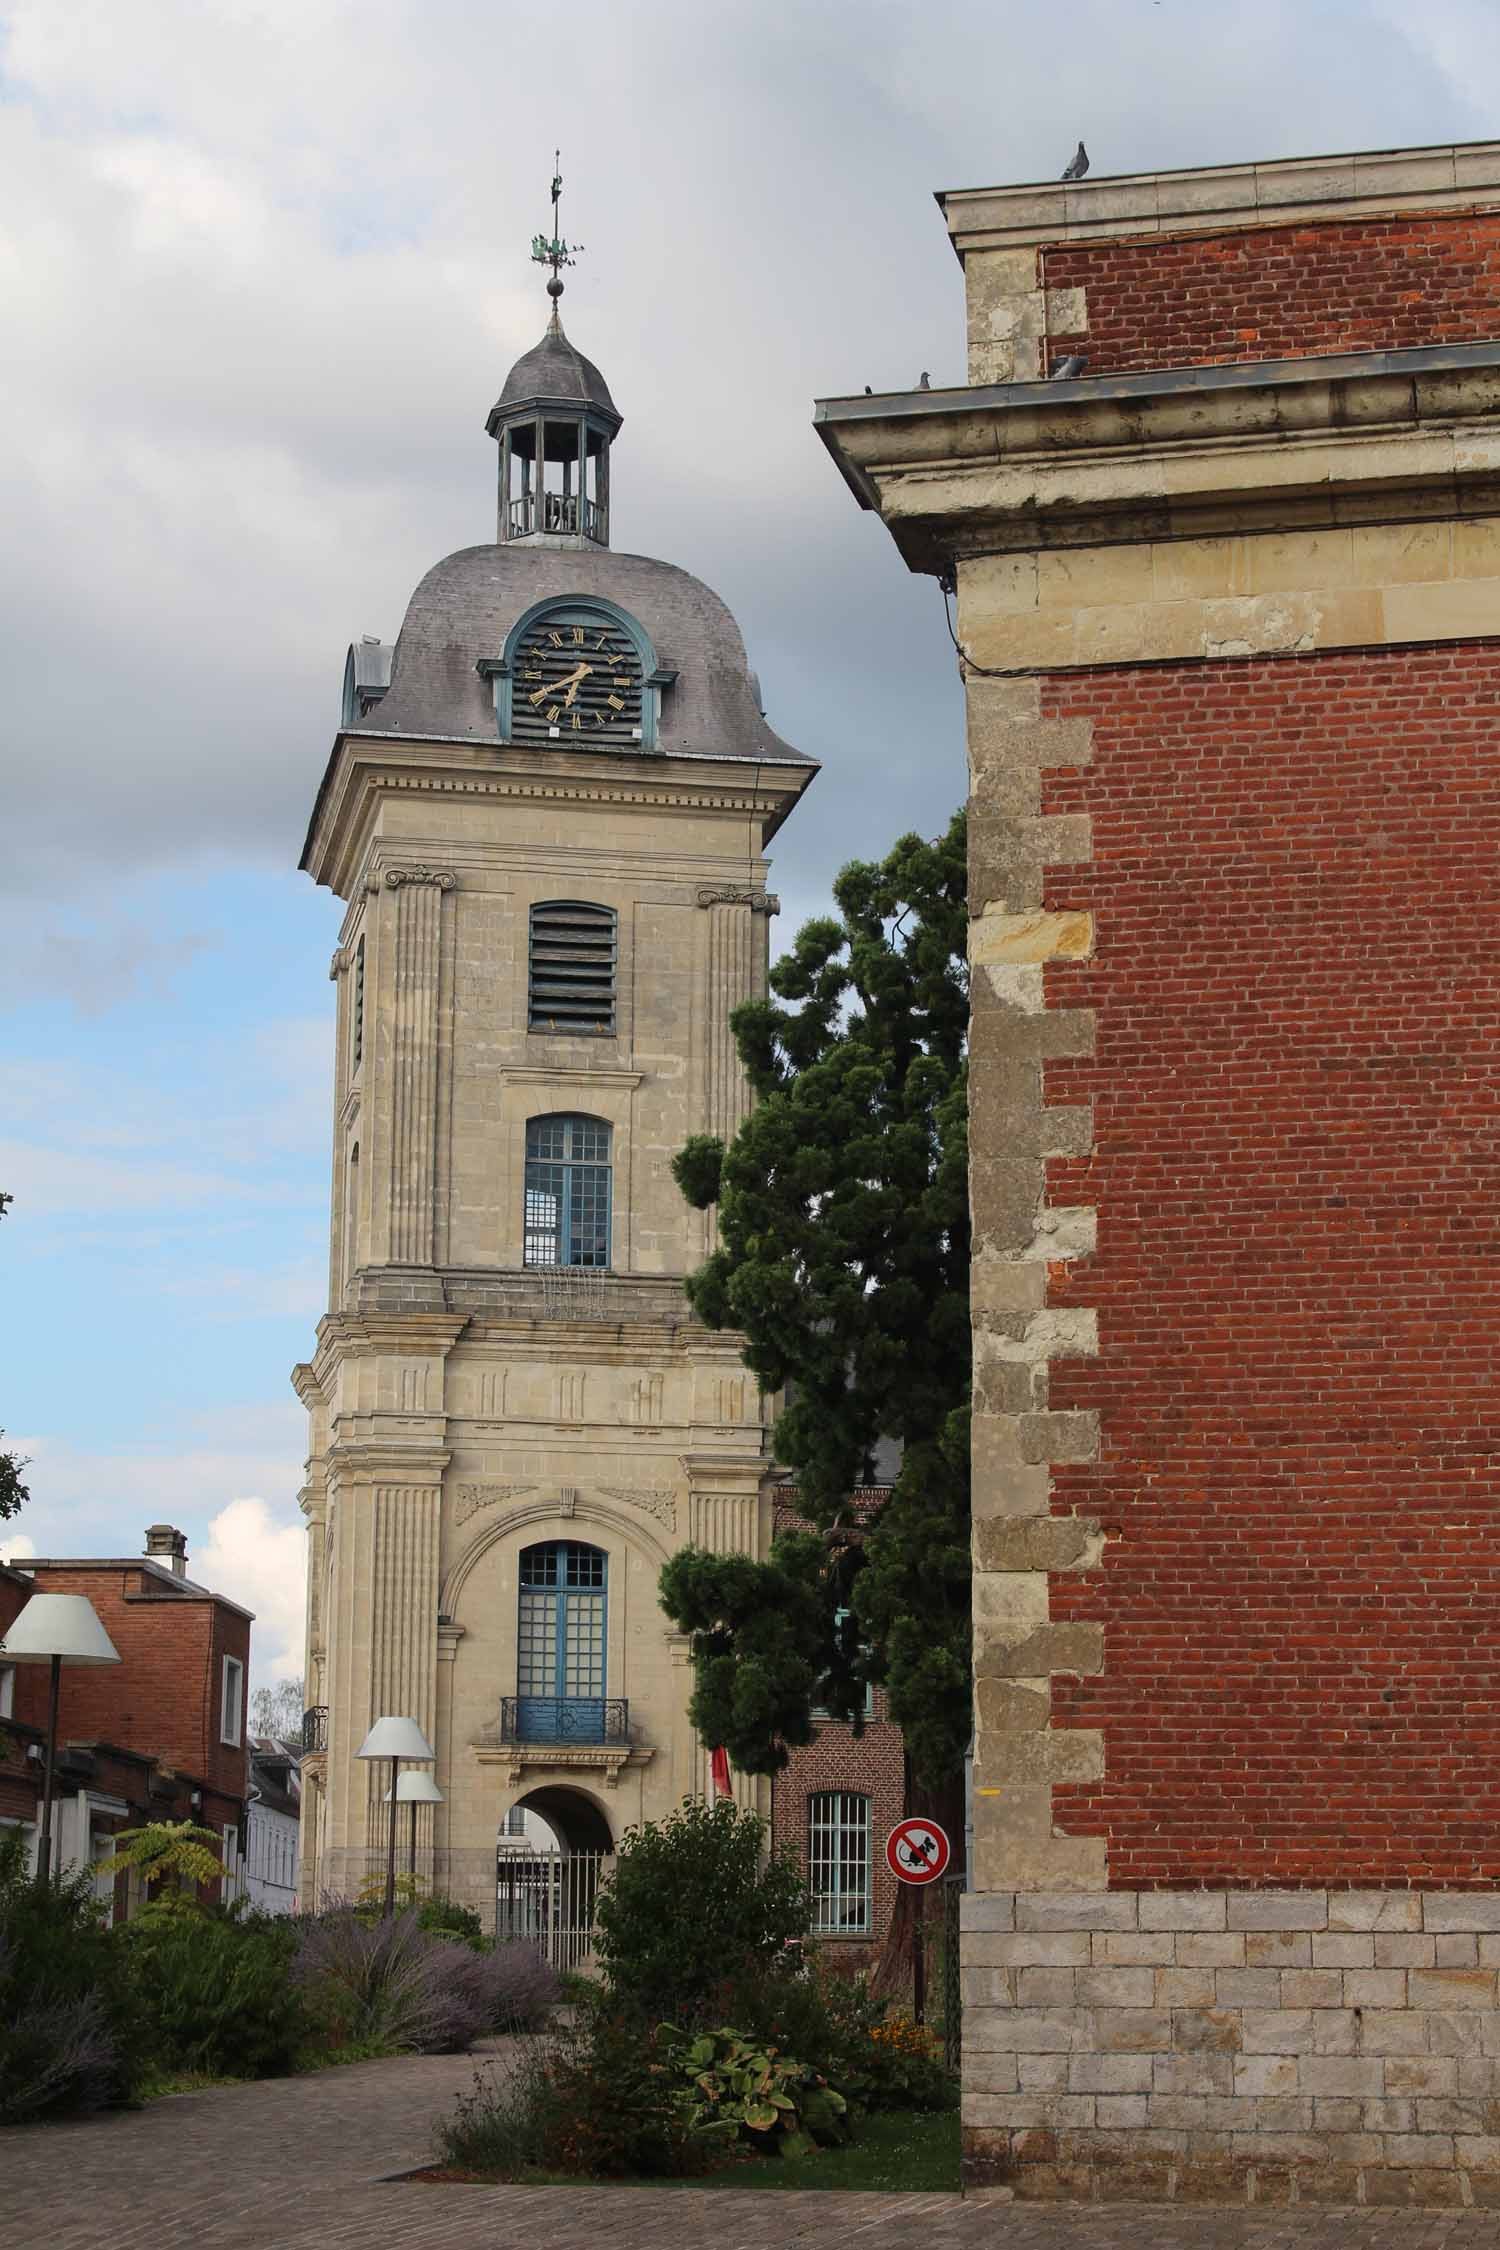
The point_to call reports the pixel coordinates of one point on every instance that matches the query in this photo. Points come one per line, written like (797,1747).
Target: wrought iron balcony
(315,1727)
(583,1719)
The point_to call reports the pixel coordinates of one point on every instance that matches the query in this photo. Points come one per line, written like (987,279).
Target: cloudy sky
(264,265)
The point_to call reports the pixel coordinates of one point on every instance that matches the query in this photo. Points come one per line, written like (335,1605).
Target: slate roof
(554,372)
(466,605)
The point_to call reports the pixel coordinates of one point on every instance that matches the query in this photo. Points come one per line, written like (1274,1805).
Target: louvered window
(572,967)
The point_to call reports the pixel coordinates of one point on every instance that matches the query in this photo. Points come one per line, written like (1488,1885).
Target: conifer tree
(843,1262)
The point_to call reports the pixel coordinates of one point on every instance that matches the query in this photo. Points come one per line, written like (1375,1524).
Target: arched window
(838,1862)
(571,986)
(567,1192)
(560,1642)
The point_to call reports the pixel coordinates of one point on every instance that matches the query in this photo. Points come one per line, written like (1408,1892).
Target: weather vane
(550,249)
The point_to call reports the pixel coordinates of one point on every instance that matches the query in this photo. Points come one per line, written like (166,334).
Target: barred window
(838,1862)
(572,967)
(567,1192)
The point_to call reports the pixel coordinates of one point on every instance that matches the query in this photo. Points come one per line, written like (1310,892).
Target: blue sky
(267,265)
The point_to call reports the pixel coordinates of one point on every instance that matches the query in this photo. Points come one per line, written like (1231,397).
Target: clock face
(576,678)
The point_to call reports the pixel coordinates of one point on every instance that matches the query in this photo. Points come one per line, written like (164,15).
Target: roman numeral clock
(578,672)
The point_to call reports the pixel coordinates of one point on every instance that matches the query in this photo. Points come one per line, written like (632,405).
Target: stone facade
(465,1405)
(1229,618)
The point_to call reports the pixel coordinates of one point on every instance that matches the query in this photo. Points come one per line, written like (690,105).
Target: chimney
(168,1545)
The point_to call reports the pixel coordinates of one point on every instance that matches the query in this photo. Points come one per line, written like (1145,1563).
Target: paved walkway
(293,2164)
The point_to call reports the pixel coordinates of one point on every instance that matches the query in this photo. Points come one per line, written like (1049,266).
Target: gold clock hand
(573,681)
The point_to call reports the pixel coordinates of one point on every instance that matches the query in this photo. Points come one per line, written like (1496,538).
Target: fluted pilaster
(414,1059)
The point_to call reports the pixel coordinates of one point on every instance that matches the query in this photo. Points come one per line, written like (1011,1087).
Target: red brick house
(159,1736)
(837,1800)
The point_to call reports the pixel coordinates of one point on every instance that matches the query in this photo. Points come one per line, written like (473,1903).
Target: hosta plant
(745,2088)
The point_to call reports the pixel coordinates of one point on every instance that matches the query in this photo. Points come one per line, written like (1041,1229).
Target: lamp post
(58,1629)
(414,1789)
(395,1739)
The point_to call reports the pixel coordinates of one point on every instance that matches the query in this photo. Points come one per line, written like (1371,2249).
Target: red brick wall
(1282,292)
(1297,1101)
(163,1697)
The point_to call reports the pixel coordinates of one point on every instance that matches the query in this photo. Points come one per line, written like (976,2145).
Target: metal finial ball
(554,288)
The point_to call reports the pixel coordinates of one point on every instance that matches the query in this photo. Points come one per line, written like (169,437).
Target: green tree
(13,1494)
(843,1262)
(174,1858)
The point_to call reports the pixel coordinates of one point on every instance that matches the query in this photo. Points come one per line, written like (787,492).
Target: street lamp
(395,1739)
(58,1629)
(414,1789)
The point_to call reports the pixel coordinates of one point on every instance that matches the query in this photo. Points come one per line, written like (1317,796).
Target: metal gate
(547,1899)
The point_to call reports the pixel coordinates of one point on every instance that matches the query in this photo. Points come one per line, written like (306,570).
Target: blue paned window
(567,1192)
(561,1643)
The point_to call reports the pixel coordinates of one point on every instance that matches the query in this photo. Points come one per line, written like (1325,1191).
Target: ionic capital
(729,894)
(442,877)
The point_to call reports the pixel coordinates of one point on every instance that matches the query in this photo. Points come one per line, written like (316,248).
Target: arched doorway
(545,1892)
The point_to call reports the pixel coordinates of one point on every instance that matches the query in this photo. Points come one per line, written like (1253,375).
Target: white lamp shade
(397,1738)
(65,1625)
(415,1789)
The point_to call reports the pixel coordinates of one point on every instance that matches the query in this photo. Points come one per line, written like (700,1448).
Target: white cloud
(15,1546)
(257,1556)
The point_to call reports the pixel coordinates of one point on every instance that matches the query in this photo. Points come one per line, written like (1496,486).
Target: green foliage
(843,1262)
(598,2102)
(875,2059)
(747,2087)
(695,1903)
(445,1917)
(216,1992)
(174,1858)
(69,2037)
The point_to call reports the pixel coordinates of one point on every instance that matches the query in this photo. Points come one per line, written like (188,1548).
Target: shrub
(745,2088)
(905,2067)
(446,1917)
(695,1904)
(215,1991)
(389,1985)
(68,2038)
(598,2102)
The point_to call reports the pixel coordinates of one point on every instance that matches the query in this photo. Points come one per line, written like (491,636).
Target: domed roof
(555,373)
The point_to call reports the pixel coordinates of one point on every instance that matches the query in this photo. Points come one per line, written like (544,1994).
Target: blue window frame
(567,1192)
(564,1591)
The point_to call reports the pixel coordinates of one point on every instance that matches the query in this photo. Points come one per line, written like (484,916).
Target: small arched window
(571,987)
(567,1192)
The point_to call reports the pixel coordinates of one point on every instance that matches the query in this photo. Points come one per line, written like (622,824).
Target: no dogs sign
(917,1851)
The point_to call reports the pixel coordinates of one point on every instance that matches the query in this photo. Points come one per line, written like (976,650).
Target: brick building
(1229,608)
(837,1800)
(158,1736)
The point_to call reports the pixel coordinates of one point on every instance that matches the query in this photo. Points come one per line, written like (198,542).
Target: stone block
(1410,1949)
(1389,2114)
(1129,1949)
(1460,2033)
(987,1910)
(1185,1988)
(1284,2114)
(1278,1949)
(1265,2074)
(1429,2152)
(1027,1949)
(1277,2031)
(1075,1910)
(1044,1988)
(1393,2032)
(1203,2073)
(1335,2031)
(1342,1949)
(1458,1949)
(1478,2152)
(1214,2030)
(1337,2113)
(1045,2074)
(1363,2075)
(1247,1988)
(1116,1988)
(1374,1910)
(1120,2112)
(1110,2074)
(1130,2030)
(1373,1988)
(1446,2113)
(1182,1910)
(1277,1910)
(1460,1910)
(1212,1949)
(986,1988)
(990,2074)
(1313,1988)
(1452,1989)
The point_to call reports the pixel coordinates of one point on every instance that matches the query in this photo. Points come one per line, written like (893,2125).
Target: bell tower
(547,810)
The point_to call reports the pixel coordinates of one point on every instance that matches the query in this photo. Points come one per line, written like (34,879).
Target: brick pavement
(290,2164)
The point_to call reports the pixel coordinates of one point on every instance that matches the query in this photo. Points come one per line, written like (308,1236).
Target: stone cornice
(365,767)
(1291,189)
(1009,467)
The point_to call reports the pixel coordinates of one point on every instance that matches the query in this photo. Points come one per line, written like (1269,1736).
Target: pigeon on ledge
(1079,165)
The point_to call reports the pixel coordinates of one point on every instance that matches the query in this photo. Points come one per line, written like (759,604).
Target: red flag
(718,1766)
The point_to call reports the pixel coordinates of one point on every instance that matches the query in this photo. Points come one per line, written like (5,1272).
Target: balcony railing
(559,514)
(315,1727)
(582,1719)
